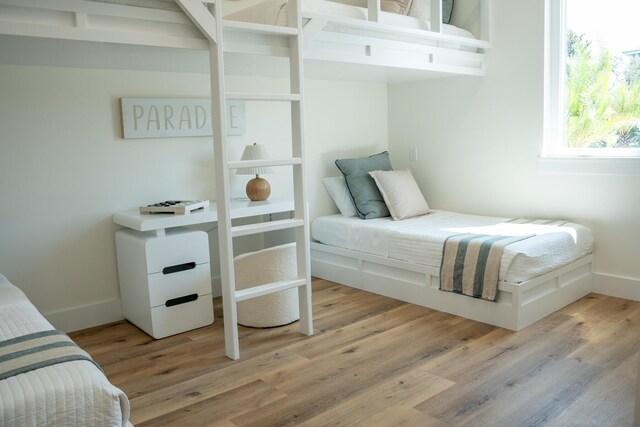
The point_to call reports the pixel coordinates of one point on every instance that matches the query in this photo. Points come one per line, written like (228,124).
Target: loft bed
(333,32)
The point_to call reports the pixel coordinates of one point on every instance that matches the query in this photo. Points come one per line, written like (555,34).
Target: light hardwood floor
(375,361)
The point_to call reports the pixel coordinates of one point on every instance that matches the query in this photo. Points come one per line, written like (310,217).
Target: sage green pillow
(447,10)
(366,196)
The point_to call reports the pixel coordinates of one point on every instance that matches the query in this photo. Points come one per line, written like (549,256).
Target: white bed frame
(326,38)
(518,305)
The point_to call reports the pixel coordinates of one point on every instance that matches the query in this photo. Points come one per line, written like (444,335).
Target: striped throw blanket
(37,350)
(471,262)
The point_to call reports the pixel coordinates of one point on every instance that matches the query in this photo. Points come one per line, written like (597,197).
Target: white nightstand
(165,281)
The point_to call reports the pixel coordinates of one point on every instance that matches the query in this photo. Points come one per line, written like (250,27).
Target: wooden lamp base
(258,189)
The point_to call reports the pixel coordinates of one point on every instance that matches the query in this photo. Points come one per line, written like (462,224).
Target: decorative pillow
(396,6)
(400,193)
(447,10)
(421,9)
(337,189)
(366,197)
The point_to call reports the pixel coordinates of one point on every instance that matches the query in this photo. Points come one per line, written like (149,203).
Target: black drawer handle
(179,267)
(181,300)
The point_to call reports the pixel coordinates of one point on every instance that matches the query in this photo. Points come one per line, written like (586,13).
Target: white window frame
(555,51)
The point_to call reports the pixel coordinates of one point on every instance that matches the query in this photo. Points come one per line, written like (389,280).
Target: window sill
(625,166)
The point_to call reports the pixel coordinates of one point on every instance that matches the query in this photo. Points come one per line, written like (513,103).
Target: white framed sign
(174,117)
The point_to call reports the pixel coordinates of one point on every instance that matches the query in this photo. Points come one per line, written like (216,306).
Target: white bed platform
(366,41)
(518,305)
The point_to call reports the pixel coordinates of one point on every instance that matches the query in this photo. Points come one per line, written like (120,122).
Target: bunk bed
(333,32)
(364,37)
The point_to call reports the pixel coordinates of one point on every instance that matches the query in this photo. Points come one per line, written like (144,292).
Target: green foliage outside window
(603,97)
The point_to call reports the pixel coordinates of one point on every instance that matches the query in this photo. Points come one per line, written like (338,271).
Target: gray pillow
(366,196)
(447,10)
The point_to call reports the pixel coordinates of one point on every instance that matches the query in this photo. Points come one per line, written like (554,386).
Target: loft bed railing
(435,17)
(369,41)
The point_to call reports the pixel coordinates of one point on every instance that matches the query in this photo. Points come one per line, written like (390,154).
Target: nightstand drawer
(179,318)
(176,248)
(163,287)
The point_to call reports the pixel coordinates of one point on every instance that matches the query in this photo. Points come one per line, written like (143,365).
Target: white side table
(165,281)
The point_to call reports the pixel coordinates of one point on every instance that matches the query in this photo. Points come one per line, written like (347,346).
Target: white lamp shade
(255,152)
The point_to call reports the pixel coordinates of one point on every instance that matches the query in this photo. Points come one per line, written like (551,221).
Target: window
(592,102)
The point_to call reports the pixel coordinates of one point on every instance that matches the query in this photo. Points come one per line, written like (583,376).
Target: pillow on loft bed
(337,189)
(400,193)
(366,197)
(447,11)
(400,7)
(421,9)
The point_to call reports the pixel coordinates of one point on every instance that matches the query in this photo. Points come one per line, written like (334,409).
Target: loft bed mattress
(274,12)
(65,394)
(420,240)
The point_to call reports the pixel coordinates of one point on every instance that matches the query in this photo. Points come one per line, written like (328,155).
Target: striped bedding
(471,262)
(38,350)
(72,393)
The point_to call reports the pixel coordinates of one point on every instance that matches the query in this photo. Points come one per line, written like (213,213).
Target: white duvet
(420,240)
(67,394)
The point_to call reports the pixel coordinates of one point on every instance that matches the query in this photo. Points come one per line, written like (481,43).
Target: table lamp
(258,189)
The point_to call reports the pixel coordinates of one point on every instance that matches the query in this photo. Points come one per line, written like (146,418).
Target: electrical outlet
(413,154)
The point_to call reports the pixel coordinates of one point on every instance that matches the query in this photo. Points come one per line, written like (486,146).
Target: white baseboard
(110,311)
(86,316)
(101,313)
(615,286)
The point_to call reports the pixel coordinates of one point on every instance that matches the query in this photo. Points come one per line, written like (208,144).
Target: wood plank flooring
(375,361)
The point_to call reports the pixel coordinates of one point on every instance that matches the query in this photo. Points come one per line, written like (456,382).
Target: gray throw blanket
(471,262)
(33,351)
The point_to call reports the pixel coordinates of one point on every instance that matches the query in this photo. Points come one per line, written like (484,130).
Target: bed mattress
(274,12)
(420,240)
(65,394)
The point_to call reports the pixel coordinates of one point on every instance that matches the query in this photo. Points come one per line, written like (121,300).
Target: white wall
(479,140)
(64,170)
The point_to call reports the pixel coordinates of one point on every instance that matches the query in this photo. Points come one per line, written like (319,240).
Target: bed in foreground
(74,392)
(402,260)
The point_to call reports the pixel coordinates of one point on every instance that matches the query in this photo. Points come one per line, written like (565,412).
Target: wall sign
(171,117)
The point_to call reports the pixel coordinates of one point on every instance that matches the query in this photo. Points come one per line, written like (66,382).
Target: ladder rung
(264,163)
(263,96)
(250,27)
(269,288)
(263,227)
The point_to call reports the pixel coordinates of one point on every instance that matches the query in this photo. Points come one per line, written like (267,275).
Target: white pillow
(337,189)
(401,193)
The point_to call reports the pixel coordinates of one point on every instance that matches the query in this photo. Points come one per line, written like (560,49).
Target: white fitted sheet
(420,240)
(274,12)
(67,394)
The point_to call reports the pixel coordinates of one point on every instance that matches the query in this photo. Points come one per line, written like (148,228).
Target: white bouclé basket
(267,266)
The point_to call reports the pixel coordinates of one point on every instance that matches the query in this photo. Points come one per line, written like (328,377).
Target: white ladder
(212,27)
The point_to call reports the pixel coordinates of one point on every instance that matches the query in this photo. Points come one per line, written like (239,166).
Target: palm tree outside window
(597,92)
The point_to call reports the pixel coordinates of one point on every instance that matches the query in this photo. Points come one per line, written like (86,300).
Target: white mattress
(67,394)
(274,12)
(420,240)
